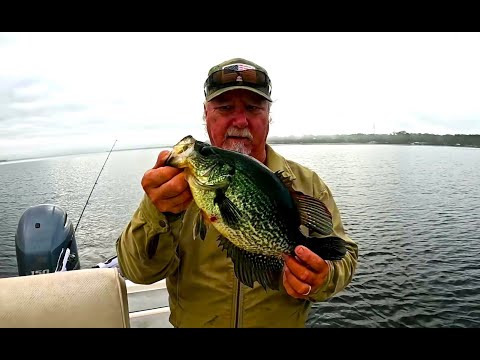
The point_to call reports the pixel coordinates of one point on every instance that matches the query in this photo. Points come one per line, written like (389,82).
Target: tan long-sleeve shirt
(203,289)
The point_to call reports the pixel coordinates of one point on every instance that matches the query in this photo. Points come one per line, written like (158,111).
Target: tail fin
(328,248)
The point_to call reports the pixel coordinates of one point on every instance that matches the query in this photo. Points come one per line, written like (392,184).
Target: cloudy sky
(68,92)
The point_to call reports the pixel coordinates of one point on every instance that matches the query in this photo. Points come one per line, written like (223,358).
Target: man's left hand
(304,273)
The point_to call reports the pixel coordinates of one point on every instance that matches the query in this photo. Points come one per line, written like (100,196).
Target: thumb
(161,159)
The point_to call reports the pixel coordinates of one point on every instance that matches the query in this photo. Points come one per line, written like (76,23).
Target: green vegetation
(401,137)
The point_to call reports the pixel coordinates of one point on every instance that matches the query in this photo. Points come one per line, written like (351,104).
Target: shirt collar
(276,162)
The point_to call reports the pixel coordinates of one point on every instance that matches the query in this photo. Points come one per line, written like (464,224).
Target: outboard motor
(45,241)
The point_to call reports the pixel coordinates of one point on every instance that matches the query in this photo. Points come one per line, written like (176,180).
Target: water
(413,210)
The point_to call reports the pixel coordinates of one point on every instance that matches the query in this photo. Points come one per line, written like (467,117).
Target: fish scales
(259,222)
(256,211)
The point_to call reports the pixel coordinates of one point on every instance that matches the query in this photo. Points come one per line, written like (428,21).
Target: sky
(63,93)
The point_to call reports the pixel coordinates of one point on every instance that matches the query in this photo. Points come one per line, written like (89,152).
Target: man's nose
(240,119)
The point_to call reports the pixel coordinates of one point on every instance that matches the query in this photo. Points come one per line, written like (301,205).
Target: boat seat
(85,298)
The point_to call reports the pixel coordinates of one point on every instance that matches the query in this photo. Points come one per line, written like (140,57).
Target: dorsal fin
(286,180)
(314,214)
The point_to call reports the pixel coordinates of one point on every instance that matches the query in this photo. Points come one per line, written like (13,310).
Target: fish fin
(229,211)
(250,267)
(314,214)
(286,180)
(328,248)
(199,226)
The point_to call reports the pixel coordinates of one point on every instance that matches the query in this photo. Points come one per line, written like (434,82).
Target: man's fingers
(299,270)
(166,186)
(293,286)
(175,204)
(305,271)
(181,207)
(175,186)
(287,286)
(315,262)
(161,159)
(178,199)
(156,177)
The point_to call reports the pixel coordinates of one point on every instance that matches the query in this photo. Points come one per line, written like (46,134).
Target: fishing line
(94,186)
(65,253)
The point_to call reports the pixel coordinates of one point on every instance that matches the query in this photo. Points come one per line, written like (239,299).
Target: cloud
(63,91)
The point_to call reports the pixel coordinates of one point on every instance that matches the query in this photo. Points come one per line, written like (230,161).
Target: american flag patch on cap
(238,67)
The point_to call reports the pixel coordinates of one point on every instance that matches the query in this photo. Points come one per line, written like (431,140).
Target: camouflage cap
(262,86)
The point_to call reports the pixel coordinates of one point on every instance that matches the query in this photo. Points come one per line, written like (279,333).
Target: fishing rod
(94,185)
(64,257)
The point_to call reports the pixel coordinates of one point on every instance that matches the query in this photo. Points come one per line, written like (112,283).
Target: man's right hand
(166,186)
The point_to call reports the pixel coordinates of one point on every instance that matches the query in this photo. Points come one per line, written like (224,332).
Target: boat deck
(148,305)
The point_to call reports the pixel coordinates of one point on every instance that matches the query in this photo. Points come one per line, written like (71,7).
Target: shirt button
(162,223)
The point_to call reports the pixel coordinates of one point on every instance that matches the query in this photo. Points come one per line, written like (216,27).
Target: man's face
(239,120)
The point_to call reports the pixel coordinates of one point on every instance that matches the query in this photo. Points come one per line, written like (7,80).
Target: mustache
(233,131)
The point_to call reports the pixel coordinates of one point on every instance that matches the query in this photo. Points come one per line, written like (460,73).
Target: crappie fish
(255,210)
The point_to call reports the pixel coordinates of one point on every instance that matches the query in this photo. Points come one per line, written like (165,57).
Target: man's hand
(304,273)
(166,186)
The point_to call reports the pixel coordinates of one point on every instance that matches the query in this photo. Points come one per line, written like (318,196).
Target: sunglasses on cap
(230,77)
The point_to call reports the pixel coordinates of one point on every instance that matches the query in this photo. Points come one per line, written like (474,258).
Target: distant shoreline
(362,143)
(399,138)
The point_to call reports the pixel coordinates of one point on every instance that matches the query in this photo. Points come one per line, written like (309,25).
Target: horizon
(69,92)
(160,146)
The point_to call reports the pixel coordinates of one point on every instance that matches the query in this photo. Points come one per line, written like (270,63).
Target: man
(158,242)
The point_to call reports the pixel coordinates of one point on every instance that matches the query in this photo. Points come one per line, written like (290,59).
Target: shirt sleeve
(340,271)
(147,246)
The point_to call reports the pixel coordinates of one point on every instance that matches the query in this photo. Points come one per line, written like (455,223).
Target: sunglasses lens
(228,77)
(223,77)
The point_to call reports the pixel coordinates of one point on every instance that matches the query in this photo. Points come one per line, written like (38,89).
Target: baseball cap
(234,74)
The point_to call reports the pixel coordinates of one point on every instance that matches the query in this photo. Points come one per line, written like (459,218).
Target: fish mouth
(169,159)
(176,160)
(181,152)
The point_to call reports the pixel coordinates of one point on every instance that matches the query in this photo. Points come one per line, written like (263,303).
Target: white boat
(148,305)
(51,289)
(82,298)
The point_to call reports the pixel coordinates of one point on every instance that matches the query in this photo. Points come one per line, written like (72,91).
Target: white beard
(238,146)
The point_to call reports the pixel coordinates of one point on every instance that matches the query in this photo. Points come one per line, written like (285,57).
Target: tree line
(401,137)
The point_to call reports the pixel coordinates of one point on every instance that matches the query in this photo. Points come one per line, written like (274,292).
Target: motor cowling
(43,234)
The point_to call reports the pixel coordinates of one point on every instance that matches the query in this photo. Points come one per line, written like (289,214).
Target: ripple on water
(413,212)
